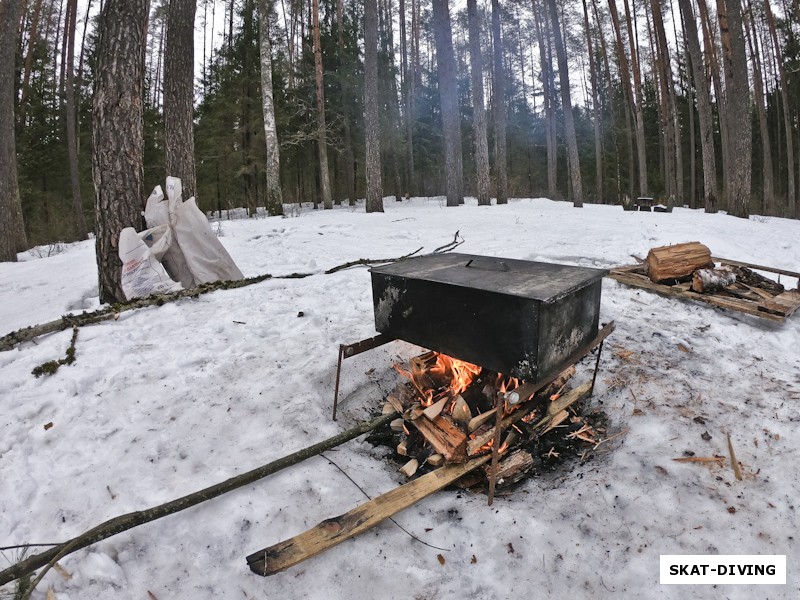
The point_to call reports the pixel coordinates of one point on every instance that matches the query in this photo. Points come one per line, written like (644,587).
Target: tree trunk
(33,37)
(12,229)
(72,142)
(668,114)
(117,134)
(598,147)
(566,102)
(767,185)
(737,88)
(704,113)
(540,24)
(324,178)
(408,93)
(636,99)
(273,165)
(448,99)
(371,122)
(393,102)
(787,118)
(179,94)
(499,107)
(478,109)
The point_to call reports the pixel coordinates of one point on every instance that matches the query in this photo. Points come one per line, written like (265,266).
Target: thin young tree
(373,130)
(12,229)
(273,165)
(636,98)
(566,103)
(499,107)
(548,84)
(179,94)
(117,134)
(448,100)
(598,145)
(322,143)
(408,99)
(71,123)
(478,108)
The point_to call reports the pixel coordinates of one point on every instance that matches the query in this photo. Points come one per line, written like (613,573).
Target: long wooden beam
(332,532)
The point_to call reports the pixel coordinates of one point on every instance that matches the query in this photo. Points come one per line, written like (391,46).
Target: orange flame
(449,373)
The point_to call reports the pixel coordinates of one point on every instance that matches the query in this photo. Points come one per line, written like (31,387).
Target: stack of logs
(537,430)
(692,262)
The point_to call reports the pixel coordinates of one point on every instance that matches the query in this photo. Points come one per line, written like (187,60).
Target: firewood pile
(689,271)
(452,411)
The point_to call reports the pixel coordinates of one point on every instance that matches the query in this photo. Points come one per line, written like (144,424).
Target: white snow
(167,400)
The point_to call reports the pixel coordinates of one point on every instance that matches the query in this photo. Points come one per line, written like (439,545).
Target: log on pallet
(677,262)
(707,281)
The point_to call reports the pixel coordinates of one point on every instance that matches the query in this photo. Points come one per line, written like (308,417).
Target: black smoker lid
(545,282)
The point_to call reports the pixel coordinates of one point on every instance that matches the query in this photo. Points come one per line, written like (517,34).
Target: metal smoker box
(516,317)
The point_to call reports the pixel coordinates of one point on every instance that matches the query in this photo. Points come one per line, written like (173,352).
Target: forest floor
(171,399)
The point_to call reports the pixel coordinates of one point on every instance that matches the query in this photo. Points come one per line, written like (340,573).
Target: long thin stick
(134,519)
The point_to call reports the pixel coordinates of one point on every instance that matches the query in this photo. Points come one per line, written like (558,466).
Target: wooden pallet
(759,303)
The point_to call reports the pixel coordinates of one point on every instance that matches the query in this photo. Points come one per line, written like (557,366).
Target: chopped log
(482,418)
(410,467)
(331,532)
(708,281)
(513,467)
(461,412)
(398,424)
(475,444)
(445,437)
(402,448)
(678,261)
(435,460)
(435,409)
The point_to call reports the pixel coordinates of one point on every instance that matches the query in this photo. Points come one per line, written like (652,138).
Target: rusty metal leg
(596,367)
(338,375)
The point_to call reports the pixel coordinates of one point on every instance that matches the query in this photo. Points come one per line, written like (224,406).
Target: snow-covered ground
(165,401)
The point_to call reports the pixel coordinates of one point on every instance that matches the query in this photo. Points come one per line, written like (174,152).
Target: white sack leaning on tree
(190,251)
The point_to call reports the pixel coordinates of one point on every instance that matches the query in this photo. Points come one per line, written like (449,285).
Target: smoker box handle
(488,265)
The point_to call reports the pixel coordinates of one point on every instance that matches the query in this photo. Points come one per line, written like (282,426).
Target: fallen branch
(134,519)
(371,261)
(26,334)
(447,247)
(51,366)
(734,463)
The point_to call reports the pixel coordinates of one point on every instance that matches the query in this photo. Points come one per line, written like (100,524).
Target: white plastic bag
(142,273)
(159,211)
(206,256)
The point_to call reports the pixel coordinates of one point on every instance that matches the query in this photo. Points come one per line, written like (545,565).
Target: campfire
(452,411)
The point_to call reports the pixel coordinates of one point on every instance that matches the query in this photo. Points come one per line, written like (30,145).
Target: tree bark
(372,124)
(324,177)
(12,229)
(704,113)
(117,134)
(273,165)
(179,94)
(737,88)
(478,108)
(448,100)
(566,102)
(499,107)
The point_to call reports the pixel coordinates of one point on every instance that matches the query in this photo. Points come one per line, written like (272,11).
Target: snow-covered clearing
(168,400)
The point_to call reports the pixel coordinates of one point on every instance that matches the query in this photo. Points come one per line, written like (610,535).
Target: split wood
(134,519)
(334,531)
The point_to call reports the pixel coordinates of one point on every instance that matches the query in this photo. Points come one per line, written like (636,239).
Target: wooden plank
(783,304)
(332,532)
(636,280)
(736,263)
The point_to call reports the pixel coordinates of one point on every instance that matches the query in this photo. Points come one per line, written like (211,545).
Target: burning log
(512,468)
(678,261)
